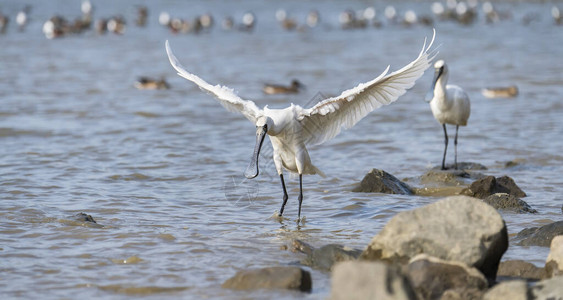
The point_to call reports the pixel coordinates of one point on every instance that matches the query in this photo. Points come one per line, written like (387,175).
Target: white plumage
(449,103)
(292,128)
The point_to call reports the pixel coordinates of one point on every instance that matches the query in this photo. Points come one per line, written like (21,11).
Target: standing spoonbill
(292,128)
(449,104)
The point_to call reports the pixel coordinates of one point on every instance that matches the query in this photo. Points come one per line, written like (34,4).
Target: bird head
(440,71)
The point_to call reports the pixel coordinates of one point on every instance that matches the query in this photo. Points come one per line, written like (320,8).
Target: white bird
(449,103)
(293,128)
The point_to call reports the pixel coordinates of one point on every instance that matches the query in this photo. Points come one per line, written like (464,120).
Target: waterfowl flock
(462,12)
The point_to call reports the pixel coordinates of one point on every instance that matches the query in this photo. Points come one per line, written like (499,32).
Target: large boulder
(554,261)
(456,228)
(520,269)
(508,290)
(509,202)
(540,236)
(369,280)
(292,278)
(490,185)
(434,278)
(379,181)
(325,257)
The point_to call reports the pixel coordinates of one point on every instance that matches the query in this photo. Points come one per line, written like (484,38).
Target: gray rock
(379,181)
(508,290)
(456,228)
(554,261)
(325,257)
(369,280)
(520,269)
(292,278)
(550,289)
(435,278)
(509,202)
(490,185)
(540,236)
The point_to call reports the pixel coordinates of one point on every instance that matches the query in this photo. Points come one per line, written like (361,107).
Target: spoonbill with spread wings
(293,128)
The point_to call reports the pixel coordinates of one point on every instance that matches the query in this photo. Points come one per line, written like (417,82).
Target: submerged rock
(540,236)
(463,166)
(325,257)
(448,177)
(379,181)
(520,269)
(509,202)
(456,228)
(369,280)
(554,261)
(434,278)
(490,185)
(82,217)
(292,278)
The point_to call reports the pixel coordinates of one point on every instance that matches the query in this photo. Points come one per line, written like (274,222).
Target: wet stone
(291,278)
(463,166)
(434,278)
(82,217)
(540,236)
(520,269)
(509,202)
(490,185)
(379,181)
(448,177)
(325,257)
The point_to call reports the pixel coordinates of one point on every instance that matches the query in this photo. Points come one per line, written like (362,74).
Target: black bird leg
(455,144)
(284,196)
(445,148)
(300,196)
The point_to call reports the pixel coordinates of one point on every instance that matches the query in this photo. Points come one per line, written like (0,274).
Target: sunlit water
(162,170)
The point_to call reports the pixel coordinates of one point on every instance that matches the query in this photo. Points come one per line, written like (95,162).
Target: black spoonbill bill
(292,128)
(449,103)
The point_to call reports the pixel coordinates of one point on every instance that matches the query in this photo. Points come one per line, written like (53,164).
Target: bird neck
(440,88)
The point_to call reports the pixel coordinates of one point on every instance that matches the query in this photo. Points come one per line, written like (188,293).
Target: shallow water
(162,171)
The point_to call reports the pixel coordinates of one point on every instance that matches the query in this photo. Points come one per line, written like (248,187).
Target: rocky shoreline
(449,249)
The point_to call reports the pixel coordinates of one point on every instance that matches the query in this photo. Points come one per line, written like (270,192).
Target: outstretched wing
(324,121)
(225,95)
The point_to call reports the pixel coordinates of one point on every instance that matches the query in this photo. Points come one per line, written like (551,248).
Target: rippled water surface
(162,171)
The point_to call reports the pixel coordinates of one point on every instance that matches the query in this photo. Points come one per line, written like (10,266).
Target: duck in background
(147,83)
(4,21)
(272,89)
(500,92)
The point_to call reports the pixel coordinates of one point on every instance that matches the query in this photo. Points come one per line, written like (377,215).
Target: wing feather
(325,120)
(225,95)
